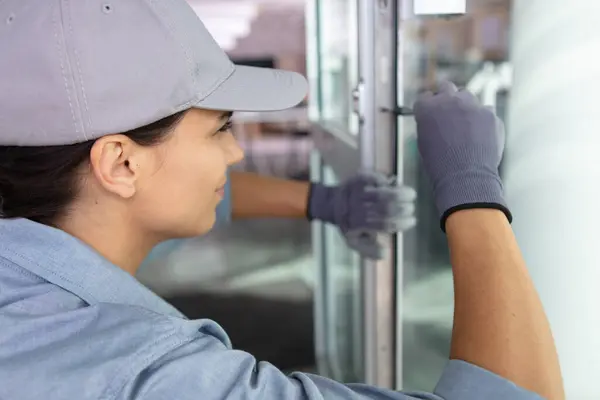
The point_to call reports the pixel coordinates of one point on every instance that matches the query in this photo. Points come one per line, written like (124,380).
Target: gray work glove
(461,144)
(363,206)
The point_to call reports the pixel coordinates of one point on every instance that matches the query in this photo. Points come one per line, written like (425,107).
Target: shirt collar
(65,261)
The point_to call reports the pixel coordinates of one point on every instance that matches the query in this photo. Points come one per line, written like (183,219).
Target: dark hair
(39,183)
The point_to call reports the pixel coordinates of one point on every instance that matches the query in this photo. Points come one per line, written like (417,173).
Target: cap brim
(257,89)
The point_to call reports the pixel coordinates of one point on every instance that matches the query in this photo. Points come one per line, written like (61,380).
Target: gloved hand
(461,144)
(362,207)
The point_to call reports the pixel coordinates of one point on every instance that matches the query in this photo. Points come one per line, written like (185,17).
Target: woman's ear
(112,162)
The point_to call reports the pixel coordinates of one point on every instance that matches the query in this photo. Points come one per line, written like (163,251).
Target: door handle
(398,110)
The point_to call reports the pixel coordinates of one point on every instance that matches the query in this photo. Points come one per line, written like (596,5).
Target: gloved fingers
(467,97)
(365,243)
(404,224)
(370,179)
(388,204)
(422,100)
(390,194)
(384,205)
(500,130)
(428,97)
(392,225)
(501,135)
(373,211)
(446,87)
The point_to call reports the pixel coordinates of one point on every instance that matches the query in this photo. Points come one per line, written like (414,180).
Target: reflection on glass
(338,62)
(342,303)
(436,7)
(435,49)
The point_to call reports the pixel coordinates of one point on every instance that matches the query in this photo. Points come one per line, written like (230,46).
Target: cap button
(107,8)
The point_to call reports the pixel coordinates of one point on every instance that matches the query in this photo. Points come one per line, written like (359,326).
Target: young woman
(114,137)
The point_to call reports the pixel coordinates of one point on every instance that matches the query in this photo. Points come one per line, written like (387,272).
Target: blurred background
(290,291)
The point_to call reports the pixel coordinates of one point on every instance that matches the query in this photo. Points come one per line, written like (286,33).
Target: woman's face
(182,179)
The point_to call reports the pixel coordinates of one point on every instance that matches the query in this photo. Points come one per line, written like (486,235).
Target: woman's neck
(115,237)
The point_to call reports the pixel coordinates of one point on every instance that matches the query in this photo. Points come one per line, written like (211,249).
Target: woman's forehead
(198,115)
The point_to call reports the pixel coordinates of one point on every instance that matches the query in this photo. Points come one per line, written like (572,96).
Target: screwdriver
(399,110)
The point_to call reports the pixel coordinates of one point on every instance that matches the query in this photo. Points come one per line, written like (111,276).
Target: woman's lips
(221,191)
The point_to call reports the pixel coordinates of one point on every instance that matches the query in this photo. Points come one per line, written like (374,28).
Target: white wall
(552,173)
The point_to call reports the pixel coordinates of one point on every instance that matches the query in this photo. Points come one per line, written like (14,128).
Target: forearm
(257,196)
(499,322)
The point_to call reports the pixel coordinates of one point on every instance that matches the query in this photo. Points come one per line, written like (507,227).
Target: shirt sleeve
(206,369)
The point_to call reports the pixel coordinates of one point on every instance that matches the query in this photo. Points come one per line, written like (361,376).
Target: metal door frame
(373,148)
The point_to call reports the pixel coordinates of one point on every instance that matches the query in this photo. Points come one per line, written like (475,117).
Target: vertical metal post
(377,283)
(366,110)
(398,100)
(319,305)
(313,67)
(366,87)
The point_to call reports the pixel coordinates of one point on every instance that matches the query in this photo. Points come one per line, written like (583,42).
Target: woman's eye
(225,127)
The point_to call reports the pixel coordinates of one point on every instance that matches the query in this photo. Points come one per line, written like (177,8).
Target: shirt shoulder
(54,345)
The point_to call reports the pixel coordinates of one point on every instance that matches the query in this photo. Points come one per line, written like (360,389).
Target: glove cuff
(471,191)
(319,201)
(471,206)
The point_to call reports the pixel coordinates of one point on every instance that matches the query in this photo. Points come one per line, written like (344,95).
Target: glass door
(350,102)
(436,44)
(333,74)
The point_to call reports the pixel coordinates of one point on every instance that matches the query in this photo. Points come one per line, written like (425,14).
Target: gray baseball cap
(75,70)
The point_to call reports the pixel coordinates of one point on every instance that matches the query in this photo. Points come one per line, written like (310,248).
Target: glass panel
(434,49)
(338,62)
(312,59)
(343,303)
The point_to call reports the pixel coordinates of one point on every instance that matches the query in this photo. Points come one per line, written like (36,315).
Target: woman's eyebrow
(225,115)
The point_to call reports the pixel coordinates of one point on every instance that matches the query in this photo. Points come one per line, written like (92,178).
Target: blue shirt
(74,326)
